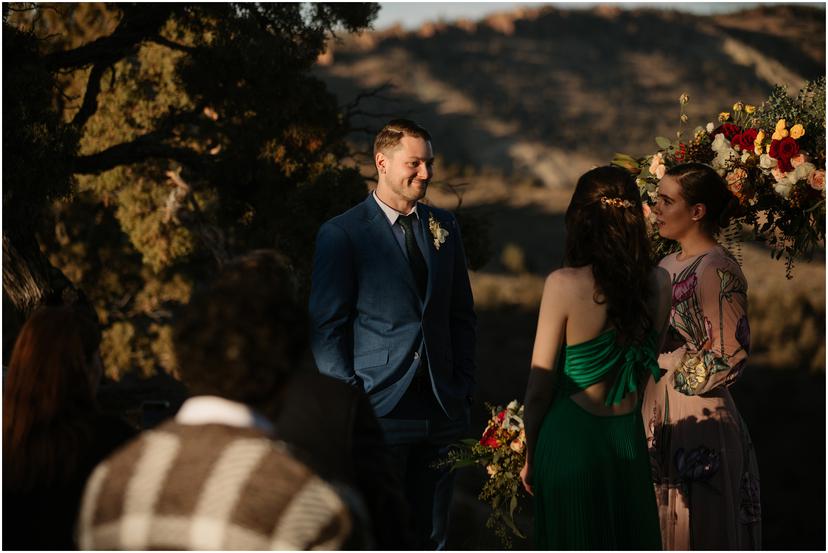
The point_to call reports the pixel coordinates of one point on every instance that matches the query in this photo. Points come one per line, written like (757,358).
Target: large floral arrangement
(773,158)
(502,452)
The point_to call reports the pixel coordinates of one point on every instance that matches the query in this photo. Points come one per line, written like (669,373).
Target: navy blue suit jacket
(368,323)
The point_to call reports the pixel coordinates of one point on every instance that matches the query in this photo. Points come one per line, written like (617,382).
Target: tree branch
(141,149)
(90,97)
(138,24)
(158,39)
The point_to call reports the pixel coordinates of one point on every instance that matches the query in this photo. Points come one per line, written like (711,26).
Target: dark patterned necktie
(415,256)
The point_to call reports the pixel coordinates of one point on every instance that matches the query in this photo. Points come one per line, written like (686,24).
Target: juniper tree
(144,144)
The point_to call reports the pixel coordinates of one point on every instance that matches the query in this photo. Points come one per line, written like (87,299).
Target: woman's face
(674,217)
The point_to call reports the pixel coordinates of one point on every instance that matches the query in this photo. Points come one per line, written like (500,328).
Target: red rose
(788,148)
(728,129)
(736,140)
(501,415)
(774,149)
(784,165)
(747,138)
(488,438)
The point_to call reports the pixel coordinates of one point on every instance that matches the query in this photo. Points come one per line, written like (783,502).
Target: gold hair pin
(616,202)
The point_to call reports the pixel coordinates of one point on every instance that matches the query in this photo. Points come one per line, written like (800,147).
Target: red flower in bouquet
(502,452)
(782,151)
(489,438)
(746,139)
(728,129)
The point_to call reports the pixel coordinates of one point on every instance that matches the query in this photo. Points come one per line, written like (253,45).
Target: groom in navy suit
(392,314)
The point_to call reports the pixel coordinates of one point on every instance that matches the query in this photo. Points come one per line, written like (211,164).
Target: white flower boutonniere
(438,232)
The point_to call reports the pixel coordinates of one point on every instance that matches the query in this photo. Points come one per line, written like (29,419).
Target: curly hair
(605,229)
(245,335)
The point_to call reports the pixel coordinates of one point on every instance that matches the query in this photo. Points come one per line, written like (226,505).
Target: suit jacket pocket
(371,359)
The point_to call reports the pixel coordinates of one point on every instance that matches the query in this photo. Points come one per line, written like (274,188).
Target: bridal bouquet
(502,452)
(773,158)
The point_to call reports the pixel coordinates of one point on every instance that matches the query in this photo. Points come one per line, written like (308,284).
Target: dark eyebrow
(663,195)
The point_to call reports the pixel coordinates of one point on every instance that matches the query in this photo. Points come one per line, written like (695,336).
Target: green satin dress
(591,473)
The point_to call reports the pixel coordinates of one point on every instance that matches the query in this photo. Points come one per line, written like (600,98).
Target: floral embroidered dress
(703,462)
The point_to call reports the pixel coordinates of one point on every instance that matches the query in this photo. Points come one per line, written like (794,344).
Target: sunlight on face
(673,214)
(408,169)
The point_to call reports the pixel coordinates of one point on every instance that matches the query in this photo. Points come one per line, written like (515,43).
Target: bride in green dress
(602,321)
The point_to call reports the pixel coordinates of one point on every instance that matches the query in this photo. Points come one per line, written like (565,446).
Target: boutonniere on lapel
(438,232)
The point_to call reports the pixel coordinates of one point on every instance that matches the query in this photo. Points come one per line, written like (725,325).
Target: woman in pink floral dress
(704,467)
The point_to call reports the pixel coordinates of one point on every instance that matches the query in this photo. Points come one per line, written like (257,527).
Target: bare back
(586,320)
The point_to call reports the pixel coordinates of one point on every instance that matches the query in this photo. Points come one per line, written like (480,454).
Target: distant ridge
(546,92)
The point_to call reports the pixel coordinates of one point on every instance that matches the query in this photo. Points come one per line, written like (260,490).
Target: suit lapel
(384,240)
(431,255)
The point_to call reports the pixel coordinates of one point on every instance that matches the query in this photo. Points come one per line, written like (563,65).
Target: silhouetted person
(216,476)
(53,431)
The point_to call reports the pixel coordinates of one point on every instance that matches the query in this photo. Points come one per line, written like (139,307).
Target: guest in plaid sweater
(216,477)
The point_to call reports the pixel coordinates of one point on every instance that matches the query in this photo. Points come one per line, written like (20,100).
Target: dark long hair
(48,396)
(605,228)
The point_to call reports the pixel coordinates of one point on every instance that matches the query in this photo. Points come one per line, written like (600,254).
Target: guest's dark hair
(701,184)
(49,396)
(242,337)
(393,132)
(605,228)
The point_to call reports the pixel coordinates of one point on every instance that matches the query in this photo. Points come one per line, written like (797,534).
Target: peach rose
(817,180)
(736,179)
(798,160)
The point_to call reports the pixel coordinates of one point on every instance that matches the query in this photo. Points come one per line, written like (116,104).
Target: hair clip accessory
(616,202)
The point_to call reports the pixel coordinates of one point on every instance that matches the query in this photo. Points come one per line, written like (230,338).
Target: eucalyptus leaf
(663,142)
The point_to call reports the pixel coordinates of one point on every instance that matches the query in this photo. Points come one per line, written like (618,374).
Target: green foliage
(208,137)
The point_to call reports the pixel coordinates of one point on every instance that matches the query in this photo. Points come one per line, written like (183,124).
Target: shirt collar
(390,213)
(218,410)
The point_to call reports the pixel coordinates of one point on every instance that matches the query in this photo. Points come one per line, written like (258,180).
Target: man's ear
(698,211)
(381,162)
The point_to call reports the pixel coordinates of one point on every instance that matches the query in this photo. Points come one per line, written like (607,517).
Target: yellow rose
(797,131)
(738,106)
(724,116)
(779,134)
(780,125)
(757,143)
(750,108)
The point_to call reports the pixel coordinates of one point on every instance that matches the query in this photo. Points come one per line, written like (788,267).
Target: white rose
(783,188)
(512,405)
(766,162)
(710,127)
(720,142)
(803,170)
(723,157)
(745,156)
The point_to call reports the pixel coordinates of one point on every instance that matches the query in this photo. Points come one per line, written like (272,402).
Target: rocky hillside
(546,92)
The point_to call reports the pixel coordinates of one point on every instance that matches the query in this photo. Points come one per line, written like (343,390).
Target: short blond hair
(393,132)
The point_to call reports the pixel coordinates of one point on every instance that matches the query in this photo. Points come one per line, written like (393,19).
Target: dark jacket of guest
(332,428)
(43,517)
